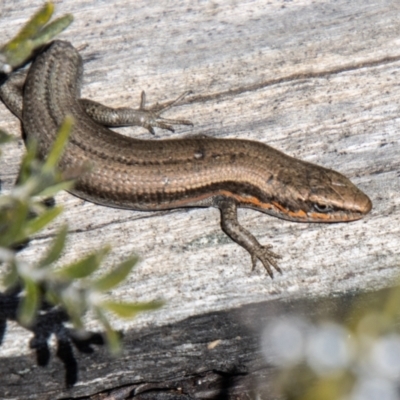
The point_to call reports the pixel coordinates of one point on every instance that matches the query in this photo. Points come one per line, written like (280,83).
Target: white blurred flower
(329,349)
(385,357)
(283,341)
(374,389)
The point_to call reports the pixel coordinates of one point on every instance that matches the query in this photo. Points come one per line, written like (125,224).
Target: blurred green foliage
(72,286)
(23,214)
(35,33)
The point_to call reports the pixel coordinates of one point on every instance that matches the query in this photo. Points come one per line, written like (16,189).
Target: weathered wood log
(315,79)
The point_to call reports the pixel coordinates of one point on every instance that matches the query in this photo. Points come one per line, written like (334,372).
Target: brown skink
(166,174)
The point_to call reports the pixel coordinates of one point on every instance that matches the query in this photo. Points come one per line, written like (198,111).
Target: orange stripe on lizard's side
(253,201)
(320,217)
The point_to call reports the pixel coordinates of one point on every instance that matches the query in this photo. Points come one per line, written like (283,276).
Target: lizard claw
(153,115)
(268,259)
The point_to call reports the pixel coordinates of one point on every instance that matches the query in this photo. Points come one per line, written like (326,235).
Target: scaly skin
(165,174)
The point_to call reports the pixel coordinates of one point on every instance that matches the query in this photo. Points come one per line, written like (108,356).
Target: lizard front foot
(267,257)
(244,238)
(148,118)
(151,116)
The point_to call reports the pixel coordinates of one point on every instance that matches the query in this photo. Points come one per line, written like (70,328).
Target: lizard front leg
(11,92)
(230,225)
(148,118)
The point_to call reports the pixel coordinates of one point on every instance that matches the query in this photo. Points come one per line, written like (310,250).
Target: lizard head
(334,198)
(311,193)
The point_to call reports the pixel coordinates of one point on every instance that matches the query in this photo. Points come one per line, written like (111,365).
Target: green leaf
(26,166)
(11,277)
(30,302)
(129,310)
(113,338)
(84,267)
(5,137)
(53,29)
(113,341)
(116,276)
(72,302)
(59,144)
(12,223)
(53,296)
(32,35)
(56,188)
(56,248)
(20,48)
(38,223)
(35,24)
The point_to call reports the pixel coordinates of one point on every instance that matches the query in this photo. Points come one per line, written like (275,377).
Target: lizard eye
(322,208)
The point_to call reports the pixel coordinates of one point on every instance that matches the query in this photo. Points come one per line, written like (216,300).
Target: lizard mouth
(314,214)
(352,210)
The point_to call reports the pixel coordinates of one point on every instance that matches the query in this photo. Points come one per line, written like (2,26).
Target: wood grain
(318,80)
